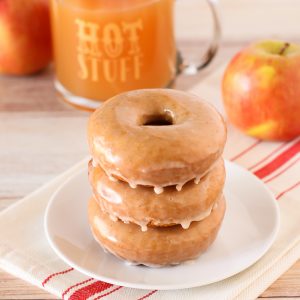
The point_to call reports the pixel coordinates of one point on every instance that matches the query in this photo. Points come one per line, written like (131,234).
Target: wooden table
(41,136)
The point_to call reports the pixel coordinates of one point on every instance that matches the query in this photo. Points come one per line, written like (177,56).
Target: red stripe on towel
(75,285)
(282,171)
(90,290)
(287,190)
(278,161)
(147,295)
(245,151)
(55,274)
(108,293)
(268,156)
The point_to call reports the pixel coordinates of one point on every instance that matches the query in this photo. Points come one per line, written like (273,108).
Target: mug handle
(184,67)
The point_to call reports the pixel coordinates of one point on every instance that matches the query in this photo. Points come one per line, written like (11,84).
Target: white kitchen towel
(25,252)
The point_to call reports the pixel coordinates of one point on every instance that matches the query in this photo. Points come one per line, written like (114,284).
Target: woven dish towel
(24,250)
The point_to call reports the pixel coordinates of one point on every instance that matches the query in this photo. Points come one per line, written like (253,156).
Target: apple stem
(284,47)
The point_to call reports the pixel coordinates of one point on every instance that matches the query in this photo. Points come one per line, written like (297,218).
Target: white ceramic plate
(249,228)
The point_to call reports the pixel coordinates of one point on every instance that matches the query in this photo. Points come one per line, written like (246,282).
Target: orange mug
(105,47)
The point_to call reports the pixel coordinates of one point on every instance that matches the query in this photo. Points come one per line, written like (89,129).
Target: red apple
(261,90)
(25,39)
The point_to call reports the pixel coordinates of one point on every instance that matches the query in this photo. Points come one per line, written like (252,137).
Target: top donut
(156,137)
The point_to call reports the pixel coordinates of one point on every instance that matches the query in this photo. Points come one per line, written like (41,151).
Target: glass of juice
(105,47)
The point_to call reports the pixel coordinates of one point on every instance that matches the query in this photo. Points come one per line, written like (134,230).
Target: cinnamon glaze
(143,207)
(157,137)
(157,246)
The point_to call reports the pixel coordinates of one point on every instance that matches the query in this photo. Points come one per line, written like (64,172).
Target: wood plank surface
(40,136)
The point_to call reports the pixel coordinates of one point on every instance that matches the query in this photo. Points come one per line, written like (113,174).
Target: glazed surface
(159,245)
(143,207)
(156,137)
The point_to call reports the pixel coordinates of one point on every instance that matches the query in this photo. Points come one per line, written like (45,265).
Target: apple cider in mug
(105,47)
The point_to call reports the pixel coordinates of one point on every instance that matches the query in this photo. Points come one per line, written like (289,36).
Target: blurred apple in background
(261,90)
(25,39)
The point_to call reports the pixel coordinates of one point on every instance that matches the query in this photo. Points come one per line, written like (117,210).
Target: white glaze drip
(112,178)
(197,179)
(158,190)
(127,220)
(132,185)
(94,163)
(113,218)
(144,227)
(179,187)
(185,224)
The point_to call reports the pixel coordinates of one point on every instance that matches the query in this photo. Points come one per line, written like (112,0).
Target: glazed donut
(156,137)
(158,246)
(143,207)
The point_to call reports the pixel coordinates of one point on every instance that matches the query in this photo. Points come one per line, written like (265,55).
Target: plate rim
(228,164)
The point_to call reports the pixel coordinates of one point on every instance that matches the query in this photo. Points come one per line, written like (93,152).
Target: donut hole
(158,120)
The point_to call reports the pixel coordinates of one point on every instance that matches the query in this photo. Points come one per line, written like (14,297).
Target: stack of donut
(157,176)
